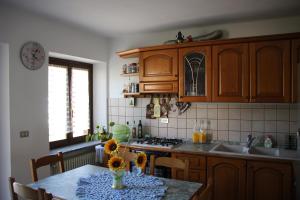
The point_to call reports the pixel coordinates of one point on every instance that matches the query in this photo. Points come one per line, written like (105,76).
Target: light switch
(24,134)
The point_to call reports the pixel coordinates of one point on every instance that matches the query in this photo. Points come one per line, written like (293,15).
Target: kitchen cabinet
(228,178)
(295,70)
(270,71)
(197,167)
(269,181)
(230,73)
(195,74)
(160,65)
(159,87)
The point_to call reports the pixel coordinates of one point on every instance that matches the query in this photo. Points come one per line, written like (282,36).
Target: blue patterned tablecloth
(98,186)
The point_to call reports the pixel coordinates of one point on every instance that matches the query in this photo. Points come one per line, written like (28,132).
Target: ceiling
(116,17)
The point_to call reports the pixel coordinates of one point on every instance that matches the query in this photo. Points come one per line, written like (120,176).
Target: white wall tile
(122,102)
(189,133)
(258,114)
(246,114)
(212,113)
(213,124)
(283,126)
(154,131)
(234,105)
(162,125)
(172,133)
(244,136)
(283,114)
(234,113)
(283,106)
(270,106)
(293,127)
(212,106)
(222,113)
(191,113)
(172,123)
(182,116)
(223,135)
(201,113)
(270,114)
(122,111)
(122,120)
(234,136)
(181,133)
(201,105)
(245,125)
(154,122)
(270,126)
(163,132)
(137,112)
(129,112)
(223,105)
(114,102)
(181,123)
(145,102)
(258,126)
(234,125)
(222,124)
(190,123)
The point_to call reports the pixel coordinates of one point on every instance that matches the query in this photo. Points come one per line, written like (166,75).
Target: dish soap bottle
(202,137)
(268,142)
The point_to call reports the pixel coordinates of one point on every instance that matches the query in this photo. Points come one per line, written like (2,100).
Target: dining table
(64,185)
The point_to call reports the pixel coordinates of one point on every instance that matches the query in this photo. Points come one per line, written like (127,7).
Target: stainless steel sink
(264,151)
(228,148)
(241,149)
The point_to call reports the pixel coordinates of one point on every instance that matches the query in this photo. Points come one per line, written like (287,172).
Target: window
(70,103)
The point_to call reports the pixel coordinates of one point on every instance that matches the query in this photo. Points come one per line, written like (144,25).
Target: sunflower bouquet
(117,164)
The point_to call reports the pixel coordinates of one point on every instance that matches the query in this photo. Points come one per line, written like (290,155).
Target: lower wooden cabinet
(197,169)
(228,177)
(269,181)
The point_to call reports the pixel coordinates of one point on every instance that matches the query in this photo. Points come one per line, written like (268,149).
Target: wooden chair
(46,160)
(171,163)
(128,157)
(206,194)
(19,190)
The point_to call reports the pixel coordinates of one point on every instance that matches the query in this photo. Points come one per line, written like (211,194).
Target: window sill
(75,147)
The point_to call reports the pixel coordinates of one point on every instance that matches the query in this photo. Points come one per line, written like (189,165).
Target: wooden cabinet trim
(295,70)
(159,87)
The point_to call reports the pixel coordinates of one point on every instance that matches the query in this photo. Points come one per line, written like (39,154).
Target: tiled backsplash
(228,121)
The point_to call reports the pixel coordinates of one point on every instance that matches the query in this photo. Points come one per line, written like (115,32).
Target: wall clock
(32,55)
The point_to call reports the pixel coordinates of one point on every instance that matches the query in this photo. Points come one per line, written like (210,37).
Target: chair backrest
(128,157)
(171,163)
(20,190)
(206,194)
(46,160)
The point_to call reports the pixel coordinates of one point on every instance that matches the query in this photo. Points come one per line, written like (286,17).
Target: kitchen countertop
(206,149)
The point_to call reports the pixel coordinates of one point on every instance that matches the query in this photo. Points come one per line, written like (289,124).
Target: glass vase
(117,180)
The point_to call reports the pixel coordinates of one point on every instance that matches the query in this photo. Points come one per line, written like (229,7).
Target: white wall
(232,30)
(5,154)
(28,89)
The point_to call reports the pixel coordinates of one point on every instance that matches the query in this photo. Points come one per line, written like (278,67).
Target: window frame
(69,64)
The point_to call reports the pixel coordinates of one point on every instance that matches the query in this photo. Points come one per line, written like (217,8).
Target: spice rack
(131,89)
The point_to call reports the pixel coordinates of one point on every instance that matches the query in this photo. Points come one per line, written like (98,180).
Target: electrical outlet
(164,120)
(24,134)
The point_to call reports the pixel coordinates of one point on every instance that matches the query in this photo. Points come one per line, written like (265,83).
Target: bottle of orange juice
(196,133)
(202,135)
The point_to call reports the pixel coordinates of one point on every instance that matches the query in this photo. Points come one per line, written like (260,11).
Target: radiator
(74,161)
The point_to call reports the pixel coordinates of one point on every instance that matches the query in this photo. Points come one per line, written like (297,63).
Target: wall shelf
(130,74)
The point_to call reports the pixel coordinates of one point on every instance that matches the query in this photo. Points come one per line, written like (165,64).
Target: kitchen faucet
(250,141)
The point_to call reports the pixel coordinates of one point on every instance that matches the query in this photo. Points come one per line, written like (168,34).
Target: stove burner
(162,142)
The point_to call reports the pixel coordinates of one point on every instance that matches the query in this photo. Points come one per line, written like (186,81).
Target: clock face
(32,55)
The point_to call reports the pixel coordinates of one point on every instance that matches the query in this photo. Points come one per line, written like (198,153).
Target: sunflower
(141,160)
(116,163)
(111,146)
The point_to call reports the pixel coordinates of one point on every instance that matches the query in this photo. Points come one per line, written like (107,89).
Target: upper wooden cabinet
(195,74)
(230,73)
(161,65)
(295,70)
(270,71)
(228,178)
(269,181)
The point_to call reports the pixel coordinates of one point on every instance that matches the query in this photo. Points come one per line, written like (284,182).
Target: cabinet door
(197,168)
(230,73)
(195,74)
(269,181)
(161,65)
(295,70)
(228,178)
(270,71)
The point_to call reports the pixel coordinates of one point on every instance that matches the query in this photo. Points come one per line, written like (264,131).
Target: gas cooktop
(157,142)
